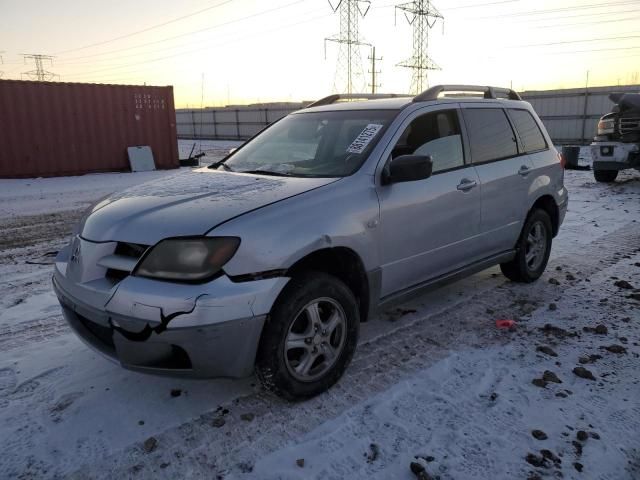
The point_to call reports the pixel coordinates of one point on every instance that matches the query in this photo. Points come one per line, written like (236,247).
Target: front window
(436,134)
(313,144)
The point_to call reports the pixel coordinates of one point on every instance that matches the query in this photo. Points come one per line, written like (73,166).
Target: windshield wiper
(267,172)
(221,164)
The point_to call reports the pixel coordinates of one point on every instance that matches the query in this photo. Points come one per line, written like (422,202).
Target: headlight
(606,126)
(190,259)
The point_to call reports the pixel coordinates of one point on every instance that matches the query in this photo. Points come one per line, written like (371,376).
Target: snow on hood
(189,203)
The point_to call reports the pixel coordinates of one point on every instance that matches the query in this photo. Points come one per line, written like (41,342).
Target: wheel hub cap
(536,246)
(315,339)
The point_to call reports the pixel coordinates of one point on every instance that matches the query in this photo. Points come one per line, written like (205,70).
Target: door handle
(466,184)
(524,171)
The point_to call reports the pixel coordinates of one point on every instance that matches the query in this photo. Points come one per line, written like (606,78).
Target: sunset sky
(250,51)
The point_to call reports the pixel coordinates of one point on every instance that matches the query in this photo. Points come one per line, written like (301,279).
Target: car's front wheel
(309,337)
(606,176)
(532,250)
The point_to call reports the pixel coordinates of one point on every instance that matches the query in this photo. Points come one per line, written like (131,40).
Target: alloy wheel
(536,246)
(315,339)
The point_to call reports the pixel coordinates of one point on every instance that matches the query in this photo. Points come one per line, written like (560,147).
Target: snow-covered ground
(433,382)
(213,149)
(46,195)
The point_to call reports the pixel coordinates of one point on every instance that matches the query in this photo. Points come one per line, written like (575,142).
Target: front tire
(309,338)
(606,176)
(532,250)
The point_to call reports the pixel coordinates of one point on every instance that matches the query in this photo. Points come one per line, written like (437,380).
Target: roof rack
(353,96)
(489,92)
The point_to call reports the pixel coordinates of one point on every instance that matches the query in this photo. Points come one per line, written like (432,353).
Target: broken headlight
(606,126)
(189,259)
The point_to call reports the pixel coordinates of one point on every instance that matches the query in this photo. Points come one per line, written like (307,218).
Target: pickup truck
(617,144)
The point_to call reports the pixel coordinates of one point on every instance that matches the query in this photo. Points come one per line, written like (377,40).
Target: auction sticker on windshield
(363,139)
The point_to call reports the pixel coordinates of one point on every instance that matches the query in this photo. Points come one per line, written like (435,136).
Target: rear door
(505,175)
(534,144)
(428,227)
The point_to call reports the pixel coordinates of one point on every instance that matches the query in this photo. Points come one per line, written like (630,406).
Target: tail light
(562,160)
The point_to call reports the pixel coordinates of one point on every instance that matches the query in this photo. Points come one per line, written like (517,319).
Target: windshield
(314,144)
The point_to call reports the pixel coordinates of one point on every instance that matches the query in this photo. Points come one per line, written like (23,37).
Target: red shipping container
(53,129)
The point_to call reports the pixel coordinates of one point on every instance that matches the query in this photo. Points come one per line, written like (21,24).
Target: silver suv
(273,256)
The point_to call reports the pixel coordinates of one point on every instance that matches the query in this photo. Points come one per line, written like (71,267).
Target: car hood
(187,203)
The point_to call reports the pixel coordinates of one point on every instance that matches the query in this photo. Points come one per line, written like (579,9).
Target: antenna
(349,72)
(422,16)
(39,73)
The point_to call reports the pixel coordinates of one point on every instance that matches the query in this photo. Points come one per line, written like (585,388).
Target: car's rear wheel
(605,175)
(309,337)
(532,250)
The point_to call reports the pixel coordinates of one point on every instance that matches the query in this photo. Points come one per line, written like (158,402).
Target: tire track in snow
(29,230)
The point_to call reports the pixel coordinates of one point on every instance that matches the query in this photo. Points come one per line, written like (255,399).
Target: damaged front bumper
(208,330)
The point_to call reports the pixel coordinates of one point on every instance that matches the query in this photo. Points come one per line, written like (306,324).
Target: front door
(428,227)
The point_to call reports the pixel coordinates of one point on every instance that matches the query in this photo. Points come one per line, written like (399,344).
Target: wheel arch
(548,204)
(343,263)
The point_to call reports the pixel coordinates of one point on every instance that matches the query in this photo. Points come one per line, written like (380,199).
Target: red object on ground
(54,128)
(505,323)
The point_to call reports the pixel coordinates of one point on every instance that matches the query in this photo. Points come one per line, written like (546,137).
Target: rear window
(490,134)
(529,131)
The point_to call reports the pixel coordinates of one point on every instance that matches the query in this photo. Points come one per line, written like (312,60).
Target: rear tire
(532,250)
(606,176)
(309,338)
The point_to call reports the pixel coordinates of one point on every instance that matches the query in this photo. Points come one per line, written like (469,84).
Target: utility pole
(586,108)
(39,73)
(422,16)
(373,70)
(349,72)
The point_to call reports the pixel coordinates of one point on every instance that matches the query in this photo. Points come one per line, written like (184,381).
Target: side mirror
(407,168)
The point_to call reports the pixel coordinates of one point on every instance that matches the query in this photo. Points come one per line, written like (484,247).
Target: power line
(206,47)
(163,49)
(586,40)
(564,9)
(422,16)
(145,53)
(476,5)
(193,32)
(592,50)
(580,15)
(138,32)
(618,20)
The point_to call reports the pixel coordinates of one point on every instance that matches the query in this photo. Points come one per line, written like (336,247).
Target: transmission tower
(1,62)
(422,16)
(39,73)
(349,71)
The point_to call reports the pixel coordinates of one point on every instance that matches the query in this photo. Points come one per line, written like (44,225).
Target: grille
(120,264)
(629,125)
(134,250)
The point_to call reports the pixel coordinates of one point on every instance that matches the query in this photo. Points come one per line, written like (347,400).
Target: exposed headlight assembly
(188,259)
(606,126)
